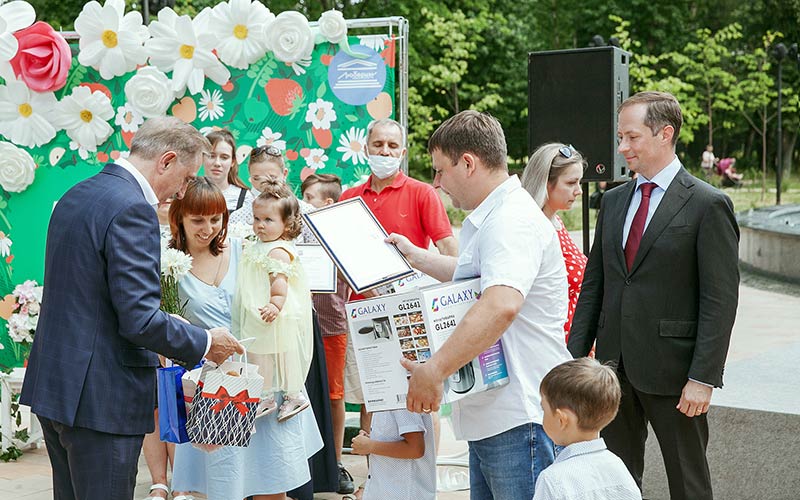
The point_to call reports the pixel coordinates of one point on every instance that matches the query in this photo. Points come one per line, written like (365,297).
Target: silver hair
(384,122)
(167,133)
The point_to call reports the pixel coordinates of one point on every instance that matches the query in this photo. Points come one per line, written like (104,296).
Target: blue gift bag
(171,406)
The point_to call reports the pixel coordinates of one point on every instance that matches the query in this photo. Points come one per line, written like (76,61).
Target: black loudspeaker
(573,97)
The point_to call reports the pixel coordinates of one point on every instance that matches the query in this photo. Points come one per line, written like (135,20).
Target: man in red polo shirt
(402,205)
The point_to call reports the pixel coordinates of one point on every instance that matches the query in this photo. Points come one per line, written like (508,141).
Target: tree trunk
(710,124)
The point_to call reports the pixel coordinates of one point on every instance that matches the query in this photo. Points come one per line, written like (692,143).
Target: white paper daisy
(184,46)
(128,118)
(241,27)
(84,115)
(270,138)
(83,153)
(25,115)
(375,42)
(321,114)
(14,16)
(316,158)
(353,145)
(111,41)
(5,245)
(211,105)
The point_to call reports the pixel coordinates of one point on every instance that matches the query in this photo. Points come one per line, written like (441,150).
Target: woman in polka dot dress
(553,178)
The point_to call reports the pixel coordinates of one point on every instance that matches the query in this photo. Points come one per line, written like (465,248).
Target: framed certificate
(354,240)
(320,269)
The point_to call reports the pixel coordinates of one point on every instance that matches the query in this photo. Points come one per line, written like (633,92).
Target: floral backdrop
(67,109)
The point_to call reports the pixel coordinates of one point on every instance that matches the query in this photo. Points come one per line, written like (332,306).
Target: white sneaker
(266,406)
(292,406)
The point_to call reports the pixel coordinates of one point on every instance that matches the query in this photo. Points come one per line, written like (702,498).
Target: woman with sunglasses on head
(553,177)
(222,169)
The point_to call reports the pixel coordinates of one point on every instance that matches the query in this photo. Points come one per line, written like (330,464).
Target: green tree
(754,93)
(705,63)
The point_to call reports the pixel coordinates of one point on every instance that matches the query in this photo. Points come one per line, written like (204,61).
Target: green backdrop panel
(268,103)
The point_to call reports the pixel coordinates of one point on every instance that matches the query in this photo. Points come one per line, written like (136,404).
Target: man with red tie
(659,297)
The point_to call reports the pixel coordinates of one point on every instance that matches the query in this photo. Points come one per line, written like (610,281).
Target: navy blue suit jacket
(92,363)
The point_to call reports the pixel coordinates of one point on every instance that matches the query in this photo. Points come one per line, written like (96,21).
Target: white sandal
(157,486)
(183,497)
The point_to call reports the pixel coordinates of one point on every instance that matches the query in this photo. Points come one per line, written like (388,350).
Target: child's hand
(362,444)
(269,312)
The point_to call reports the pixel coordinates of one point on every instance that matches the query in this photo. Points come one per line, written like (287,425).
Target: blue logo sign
(357,81)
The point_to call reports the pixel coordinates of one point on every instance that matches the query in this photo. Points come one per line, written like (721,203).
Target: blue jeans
(505,467)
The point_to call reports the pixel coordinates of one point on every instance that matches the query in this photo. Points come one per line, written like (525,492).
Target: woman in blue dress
(276,459)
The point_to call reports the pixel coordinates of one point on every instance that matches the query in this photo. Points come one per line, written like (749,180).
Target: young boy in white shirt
(579,398)
(402,462)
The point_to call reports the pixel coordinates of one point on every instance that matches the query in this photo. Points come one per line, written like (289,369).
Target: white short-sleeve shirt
(398,478)
(508,241)
(232,194)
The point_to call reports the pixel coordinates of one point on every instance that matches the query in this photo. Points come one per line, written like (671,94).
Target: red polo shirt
(408,207)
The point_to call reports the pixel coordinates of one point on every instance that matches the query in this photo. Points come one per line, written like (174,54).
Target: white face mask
(384,166)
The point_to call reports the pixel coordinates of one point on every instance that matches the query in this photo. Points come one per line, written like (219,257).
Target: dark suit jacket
(670,317)
(92,361)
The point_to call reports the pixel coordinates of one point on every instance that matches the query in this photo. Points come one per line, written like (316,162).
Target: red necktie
(637,226)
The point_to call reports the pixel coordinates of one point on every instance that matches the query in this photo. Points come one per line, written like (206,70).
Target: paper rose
(241,26)
(332,26)
(43,58)
(25,116)
(149,92)
(290,37)
(184,46)
(84,115)
(16,168)
(14,16)
(111,42)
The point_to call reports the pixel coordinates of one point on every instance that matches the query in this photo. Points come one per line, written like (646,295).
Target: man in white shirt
(511,245)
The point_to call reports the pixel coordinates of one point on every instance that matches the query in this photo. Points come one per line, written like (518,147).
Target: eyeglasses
(268,150)
(567,151)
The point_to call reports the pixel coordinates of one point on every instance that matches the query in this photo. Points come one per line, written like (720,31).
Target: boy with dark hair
(579,398)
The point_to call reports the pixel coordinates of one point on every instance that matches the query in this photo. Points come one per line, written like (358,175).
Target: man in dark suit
(659,296)
(91,374)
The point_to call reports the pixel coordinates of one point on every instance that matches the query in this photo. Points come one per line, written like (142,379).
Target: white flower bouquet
(22,323)
(174,265)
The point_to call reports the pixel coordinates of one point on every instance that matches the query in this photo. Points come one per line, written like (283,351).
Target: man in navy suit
(659,297)
(91,374)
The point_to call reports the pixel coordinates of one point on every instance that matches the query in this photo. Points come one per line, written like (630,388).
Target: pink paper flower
(43,58)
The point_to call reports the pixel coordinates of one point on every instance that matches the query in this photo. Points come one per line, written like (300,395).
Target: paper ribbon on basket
(225,399)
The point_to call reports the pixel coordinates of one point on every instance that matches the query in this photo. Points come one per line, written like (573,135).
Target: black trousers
(683,441)
(89,464)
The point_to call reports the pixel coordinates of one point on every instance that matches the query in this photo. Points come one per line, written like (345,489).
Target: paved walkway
(765,341)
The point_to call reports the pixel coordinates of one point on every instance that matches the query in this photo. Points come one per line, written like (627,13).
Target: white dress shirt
(152,199)
(586,471)
(662,181)
(508,241)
